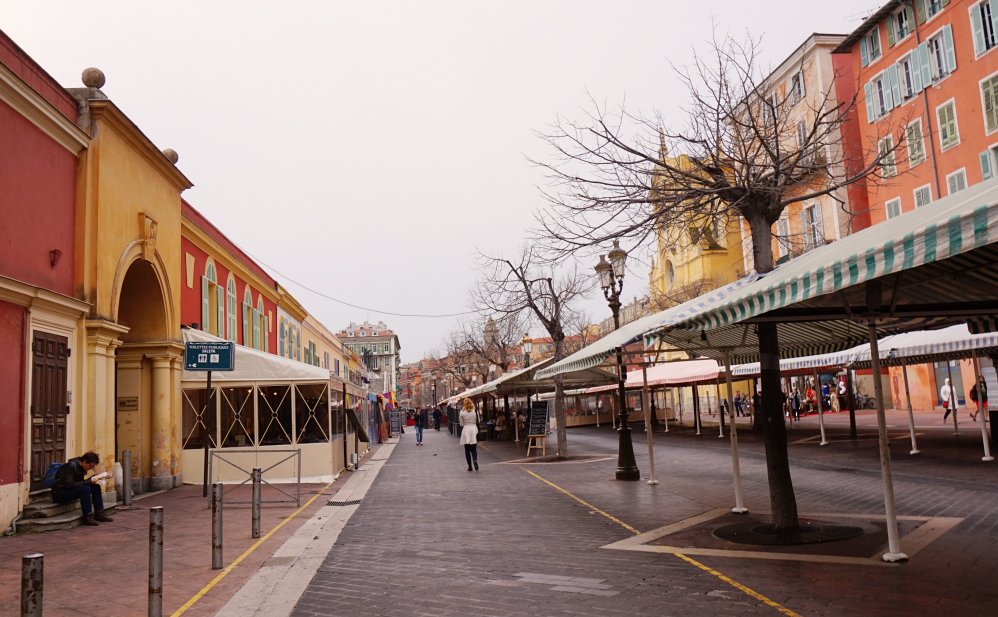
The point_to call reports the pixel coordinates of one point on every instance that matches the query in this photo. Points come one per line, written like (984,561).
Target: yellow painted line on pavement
(733,583)
(221,575)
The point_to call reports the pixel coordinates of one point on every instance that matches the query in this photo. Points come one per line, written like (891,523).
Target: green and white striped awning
(932,267)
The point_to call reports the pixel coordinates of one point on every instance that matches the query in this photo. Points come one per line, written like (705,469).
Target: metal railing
(296,498)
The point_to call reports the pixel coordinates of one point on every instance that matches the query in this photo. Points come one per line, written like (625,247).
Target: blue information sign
(209,356)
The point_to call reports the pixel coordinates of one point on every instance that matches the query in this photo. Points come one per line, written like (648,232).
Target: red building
(41,324)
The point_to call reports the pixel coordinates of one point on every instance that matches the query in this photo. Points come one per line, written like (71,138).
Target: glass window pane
(194,418)
(336,400)
(237,417)
(274,407)
(312,413)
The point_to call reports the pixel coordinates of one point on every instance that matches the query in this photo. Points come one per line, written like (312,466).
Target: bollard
(31,585)
(156,561)
(256,501)
(126,478)
(216,526)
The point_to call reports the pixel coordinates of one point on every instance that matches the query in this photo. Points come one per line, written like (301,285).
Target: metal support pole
(911,414)
(156,561)
(257,473)
(821,412)
(647,405)
(982,412)
(696,407)
(126,478)
(666,405)
(207,432)
(735,467)
(216,526)
(720,408)
(954,399)
(851,401)
(31,584)
(893,548)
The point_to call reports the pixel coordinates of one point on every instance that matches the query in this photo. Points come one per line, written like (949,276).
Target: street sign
(209,356)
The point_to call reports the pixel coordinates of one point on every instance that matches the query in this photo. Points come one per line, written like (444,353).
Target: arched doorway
(147,370)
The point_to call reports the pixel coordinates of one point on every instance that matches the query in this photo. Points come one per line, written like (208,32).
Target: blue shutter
(923,61)
(863,54)
(986,165)
(978,27)
(948,46)
(993,5)
(868,90)
(892,72)
(916,73)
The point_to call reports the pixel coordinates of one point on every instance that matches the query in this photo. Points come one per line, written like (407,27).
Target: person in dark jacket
(436,418)
(984,395)
(422,419)
(71,486)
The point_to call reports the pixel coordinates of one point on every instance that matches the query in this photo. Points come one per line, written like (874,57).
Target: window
(989,91)
(802,145)
(388,348)
(909,76)
(812,227)
(923,195)
(325,359)
(893,207)
(987,163)
(956,181)
(336,364)
(881,90)
(937,56)
(983,27)
(795,88)
(231,310)
(916,144)
(869,47)
(264,324)
(885,147)
(948,134)
(212,302)
(281,340)
(247,315)
(783,236)
(899,26)
(935,6)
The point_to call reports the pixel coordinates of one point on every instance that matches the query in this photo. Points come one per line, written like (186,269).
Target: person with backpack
(983,404)
(72,485)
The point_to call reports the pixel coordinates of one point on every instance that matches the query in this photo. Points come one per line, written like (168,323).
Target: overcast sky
(367,150)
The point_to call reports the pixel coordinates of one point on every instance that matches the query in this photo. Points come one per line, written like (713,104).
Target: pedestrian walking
(738,402)
(422,419)
(983,403)
(469,432)
(795,403)
(436,418)
(948,395)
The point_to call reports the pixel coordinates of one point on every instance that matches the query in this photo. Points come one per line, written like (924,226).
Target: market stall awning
(528,379)
(928,268)
(929,346)
(253,365)
(668,374)
(598,351)
(803,365)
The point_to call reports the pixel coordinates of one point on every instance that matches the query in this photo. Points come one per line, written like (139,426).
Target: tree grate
(352,502)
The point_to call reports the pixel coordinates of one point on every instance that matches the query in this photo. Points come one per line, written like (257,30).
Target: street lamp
(611,281)
(527,346)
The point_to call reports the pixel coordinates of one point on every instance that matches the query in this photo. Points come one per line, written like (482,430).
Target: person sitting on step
(71,486)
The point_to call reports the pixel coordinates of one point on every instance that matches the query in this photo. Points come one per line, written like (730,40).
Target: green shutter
(923,61)
(985,165)
(948,46)
(220,298)
(868,91)
(892,73)
(246,330)
(864,55)
(978,28)
(916,73)
(205,305)
(889,22)
(920,10)
(911,19)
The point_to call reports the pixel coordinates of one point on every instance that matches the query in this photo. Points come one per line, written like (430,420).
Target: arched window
(261,318)
(212,300)
(231,306)
(280,337)
(247,309)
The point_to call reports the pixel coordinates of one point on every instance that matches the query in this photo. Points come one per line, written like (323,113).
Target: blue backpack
(53,469)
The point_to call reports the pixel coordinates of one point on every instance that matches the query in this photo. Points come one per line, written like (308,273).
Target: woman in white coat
(469,432)
(948,395)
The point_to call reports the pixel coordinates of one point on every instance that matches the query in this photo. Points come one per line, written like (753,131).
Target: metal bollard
(216,526)
(256,501)
(126,478)
(31,585)
(156,561)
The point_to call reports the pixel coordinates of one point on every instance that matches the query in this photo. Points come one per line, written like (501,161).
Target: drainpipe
(928,114)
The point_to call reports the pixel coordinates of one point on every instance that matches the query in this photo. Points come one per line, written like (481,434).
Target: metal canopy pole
(720,409)
(207,433)
(647,406)
(735,468)
(893,548)
(982,412)
(911,414)
(821,412)
(953,402)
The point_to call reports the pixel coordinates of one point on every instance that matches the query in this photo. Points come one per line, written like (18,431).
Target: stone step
(48,509)
(66,520)
(44,494)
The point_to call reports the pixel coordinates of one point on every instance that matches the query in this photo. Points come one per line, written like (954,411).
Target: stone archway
(147,364)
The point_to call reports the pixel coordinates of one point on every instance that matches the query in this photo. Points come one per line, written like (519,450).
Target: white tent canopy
(253,365)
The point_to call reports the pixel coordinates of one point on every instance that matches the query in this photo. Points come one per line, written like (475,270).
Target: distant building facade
(379,346)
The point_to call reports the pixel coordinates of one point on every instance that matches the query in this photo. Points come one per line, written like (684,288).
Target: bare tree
(525,285)
(749,149)
(495,340)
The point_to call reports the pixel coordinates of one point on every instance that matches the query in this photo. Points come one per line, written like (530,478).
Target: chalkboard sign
(396,422)
(538,418)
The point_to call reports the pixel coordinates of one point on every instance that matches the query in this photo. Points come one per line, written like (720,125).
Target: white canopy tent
(252,365)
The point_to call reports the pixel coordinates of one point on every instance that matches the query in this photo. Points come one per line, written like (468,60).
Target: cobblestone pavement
(431,538)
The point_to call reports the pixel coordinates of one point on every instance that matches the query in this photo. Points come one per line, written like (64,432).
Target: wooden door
(48,403)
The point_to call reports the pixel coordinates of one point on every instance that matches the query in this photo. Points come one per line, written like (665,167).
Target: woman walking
(948,395)
(469,432)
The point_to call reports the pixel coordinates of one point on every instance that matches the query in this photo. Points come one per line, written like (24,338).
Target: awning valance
(669,374)
(253,365)
(529,379)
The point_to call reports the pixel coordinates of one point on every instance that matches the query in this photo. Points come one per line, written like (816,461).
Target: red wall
(190,299)
(14,58)
(38,204)
(12,335)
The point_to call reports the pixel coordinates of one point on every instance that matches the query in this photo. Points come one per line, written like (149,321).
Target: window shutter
(804,229)
(951,184)
(948,46)
(911,19)
(986,165)
(864,55)
(256,328)
(978,27)
(868,91)
(889,22)
(993,5)
(923,60)
(246,330)
(205,304)
(266,332)
(220,296)
(280,339)
(819,222)
(916,73)
(892,72)
(920,10)
(800,81)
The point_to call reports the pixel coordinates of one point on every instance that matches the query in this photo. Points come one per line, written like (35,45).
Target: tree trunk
(774,431)
(559,402)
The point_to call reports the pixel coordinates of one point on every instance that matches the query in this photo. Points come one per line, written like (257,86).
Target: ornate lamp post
(611,280)
(527,347)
